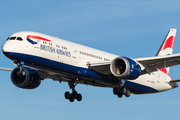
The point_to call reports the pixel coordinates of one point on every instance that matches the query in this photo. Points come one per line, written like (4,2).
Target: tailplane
(167,47)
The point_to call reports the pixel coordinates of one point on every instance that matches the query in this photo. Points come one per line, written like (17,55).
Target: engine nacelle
(125,68)
(27,79)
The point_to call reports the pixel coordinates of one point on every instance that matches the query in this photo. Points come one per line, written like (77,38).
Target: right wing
(6,69)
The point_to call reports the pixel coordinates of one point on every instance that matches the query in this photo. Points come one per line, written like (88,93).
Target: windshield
(15,38)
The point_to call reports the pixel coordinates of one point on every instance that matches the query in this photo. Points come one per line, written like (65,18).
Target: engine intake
(125,68)
(27,79)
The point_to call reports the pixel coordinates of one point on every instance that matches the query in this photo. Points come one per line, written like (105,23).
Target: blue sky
(128,28)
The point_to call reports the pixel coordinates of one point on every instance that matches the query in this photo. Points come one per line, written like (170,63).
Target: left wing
(151,64)
(100,67)
(148,64)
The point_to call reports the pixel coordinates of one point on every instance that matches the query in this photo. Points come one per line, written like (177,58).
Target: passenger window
(19,38)
(12,38)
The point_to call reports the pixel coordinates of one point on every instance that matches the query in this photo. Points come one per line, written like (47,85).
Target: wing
(151,64)
(100,67)
(43,74)
(6,69)
(63,77)
(148,64)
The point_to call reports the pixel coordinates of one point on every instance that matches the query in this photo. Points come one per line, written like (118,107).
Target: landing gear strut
(20,65)
(74,95)
(120,91)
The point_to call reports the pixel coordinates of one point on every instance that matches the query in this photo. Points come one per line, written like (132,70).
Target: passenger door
(74,55)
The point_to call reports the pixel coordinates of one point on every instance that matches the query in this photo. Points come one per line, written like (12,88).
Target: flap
(100,67)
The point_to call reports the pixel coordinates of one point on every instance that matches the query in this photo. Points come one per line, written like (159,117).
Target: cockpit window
(15,38)
(12,38)
(19,38)
(8,38)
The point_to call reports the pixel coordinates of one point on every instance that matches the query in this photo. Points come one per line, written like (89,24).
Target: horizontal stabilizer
(176,80)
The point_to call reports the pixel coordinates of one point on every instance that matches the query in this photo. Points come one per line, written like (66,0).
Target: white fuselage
(77,56)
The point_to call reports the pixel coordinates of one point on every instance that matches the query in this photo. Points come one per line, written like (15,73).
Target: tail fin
(167,47)
(168,44)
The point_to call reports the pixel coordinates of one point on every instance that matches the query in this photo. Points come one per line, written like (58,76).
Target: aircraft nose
(7,48)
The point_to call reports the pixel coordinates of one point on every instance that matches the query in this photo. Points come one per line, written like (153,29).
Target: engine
(125,68)
(25,78)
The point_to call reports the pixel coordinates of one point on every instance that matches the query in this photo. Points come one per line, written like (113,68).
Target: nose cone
(7,48)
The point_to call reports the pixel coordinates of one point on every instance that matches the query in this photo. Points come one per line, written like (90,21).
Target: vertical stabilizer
(168,44)
(167,47)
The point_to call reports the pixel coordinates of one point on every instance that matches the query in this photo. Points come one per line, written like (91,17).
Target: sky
(127,28)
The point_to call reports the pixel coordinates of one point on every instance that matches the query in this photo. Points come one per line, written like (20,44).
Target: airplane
(39,56)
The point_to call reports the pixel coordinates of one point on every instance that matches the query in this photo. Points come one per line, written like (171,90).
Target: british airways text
(54,50)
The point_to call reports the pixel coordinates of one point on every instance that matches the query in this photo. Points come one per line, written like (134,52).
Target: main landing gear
(120,91)
(74,95)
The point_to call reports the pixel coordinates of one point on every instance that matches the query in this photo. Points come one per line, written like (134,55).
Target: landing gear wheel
(71,99)
(121,90)
(79,97)
(128,93)
(124,90)
(120,95)
(74,93)
(67,95)
(115,90)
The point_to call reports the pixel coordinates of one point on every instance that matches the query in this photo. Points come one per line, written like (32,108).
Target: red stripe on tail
(164,70)
(169,43)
